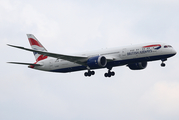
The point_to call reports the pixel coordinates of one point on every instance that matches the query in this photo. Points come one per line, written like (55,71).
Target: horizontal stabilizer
(24,63)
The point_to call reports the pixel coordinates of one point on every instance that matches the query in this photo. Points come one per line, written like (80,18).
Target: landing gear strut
(163,64)
(109,73)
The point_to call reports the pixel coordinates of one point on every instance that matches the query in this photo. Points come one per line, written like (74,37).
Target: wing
(75,59)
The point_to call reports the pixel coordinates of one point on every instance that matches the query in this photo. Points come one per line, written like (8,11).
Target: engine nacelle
(138,66)
(97,61)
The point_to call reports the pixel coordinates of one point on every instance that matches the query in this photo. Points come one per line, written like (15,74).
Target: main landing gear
(163,64)
(89,73)
(109,73)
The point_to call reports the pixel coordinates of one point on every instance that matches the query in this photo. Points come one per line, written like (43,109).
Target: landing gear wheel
(109,74)
(106,74)
(86,74)
(92,72)
(112,73)
(163,64)
(89,74)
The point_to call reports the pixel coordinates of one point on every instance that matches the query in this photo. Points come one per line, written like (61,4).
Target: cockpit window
(167,46)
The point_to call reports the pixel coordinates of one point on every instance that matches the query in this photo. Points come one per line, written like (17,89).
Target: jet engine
(138,66)
(97,61)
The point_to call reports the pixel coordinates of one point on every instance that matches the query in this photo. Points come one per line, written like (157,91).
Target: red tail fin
(36,45)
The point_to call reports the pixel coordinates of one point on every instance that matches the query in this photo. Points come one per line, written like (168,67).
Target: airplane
(135,57)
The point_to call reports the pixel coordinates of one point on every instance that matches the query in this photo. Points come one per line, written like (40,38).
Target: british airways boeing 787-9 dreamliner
(134,56)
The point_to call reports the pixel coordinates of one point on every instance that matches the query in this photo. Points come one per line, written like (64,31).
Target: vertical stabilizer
(36,45)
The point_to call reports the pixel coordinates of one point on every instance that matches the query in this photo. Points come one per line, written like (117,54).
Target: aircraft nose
(174,52)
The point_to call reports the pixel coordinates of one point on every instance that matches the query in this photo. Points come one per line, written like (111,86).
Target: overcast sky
(67,27)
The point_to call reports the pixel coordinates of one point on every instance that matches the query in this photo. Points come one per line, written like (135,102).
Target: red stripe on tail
(34,42)
(41,57)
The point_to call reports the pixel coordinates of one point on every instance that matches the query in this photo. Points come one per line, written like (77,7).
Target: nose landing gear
(163,64)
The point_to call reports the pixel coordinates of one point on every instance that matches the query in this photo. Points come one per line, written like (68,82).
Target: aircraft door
(124,53)
(51,64)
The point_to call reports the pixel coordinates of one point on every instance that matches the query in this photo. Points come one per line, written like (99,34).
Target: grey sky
(69,27)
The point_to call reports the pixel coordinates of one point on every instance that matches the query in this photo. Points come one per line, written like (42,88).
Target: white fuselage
(116,57)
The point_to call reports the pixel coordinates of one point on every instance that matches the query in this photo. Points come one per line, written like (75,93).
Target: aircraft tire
(163,64)
(109,74)
(86,74)
(92,72)
(89,74)
(112,73)
(106,74)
